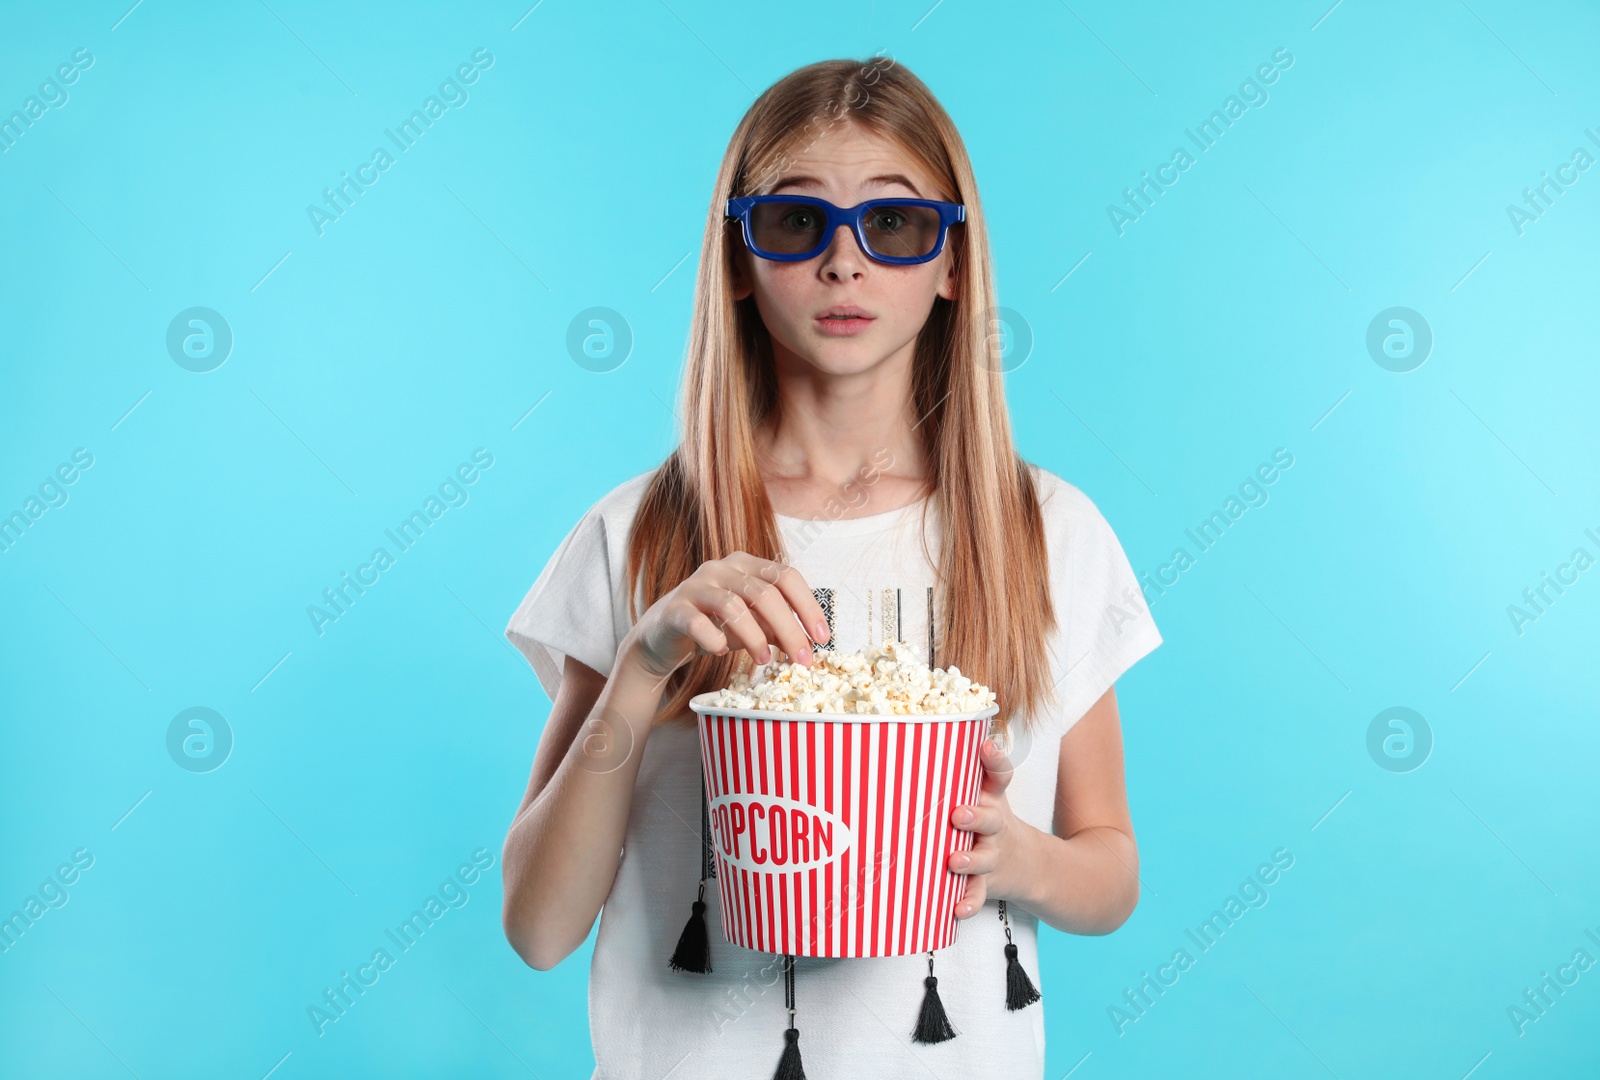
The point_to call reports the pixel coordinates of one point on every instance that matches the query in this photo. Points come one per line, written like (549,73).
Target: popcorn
(883,679)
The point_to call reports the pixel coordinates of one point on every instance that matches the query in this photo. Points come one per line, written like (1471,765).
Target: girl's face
(846,165)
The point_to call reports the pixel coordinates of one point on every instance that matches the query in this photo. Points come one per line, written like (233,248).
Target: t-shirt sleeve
(569,609)
(1104,624)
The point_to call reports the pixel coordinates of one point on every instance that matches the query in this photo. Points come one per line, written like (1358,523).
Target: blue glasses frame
(949,214)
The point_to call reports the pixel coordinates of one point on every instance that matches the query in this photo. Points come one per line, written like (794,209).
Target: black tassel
(789,1066)
(1020,991)
(694,944)
(933,1026)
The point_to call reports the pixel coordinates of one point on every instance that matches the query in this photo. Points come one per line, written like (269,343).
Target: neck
(852,437)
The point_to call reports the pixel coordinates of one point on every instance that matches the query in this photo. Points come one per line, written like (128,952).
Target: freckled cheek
(777,308)
(911,296)
(783,299)
(902,314)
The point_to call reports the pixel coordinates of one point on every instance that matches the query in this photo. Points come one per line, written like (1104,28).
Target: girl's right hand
(740,601)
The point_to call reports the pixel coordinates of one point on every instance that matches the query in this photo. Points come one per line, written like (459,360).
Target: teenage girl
(845,476)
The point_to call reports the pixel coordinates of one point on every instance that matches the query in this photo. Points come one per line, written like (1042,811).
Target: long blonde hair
(708,499)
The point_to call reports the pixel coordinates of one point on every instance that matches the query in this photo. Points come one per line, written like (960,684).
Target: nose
(843,257)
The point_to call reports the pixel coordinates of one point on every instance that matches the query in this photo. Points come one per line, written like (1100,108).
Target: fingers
(997,768)
(706,633)
(758,601)
(979,859)
(802,601)
(782,595)
(732,618)
(986,820)
(977,894)
(976,865)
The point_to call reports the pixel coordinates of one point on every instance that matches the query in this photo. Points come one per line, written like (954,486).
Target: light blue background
(372,760)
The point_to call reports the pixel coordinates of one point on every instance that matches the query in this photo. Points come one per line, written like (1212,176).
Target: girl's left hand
(995,860)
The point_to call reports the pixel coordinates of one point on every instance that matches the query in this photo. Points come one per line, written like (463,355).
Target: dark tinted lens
(901,232)
(786,228)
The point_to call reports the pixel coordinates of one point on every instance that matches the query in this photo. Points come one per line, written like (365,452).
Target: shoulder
(617,507)
(600,533)
(1103,619)
(1066,510)
(609,518)
(1081,544)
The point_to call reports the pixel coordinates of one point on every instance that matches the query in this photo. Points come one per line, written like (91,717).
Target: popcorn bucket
(832,831)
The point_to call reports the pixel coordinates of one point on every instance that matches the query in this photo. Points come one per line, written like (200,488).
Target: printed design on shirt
(883,615)
(825,599)
(890,630)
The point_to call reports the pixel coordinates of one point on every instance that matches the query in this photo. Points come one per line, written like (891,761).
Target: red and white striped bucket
(832,831)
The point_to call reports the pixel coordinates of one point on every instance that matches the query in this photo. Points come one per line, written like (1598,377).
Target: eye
(800,219)
(887,219)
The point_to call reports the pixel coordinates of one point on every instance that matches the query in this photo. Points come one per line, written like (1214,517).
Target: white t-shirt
(855,1016)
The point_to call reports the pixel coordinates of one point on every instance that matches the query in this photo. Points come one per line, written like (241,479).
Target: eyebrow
(812,181)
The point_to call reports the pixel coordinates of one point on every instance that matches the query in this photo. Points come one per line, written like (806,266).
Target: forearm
(561,853)
(1085,884)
